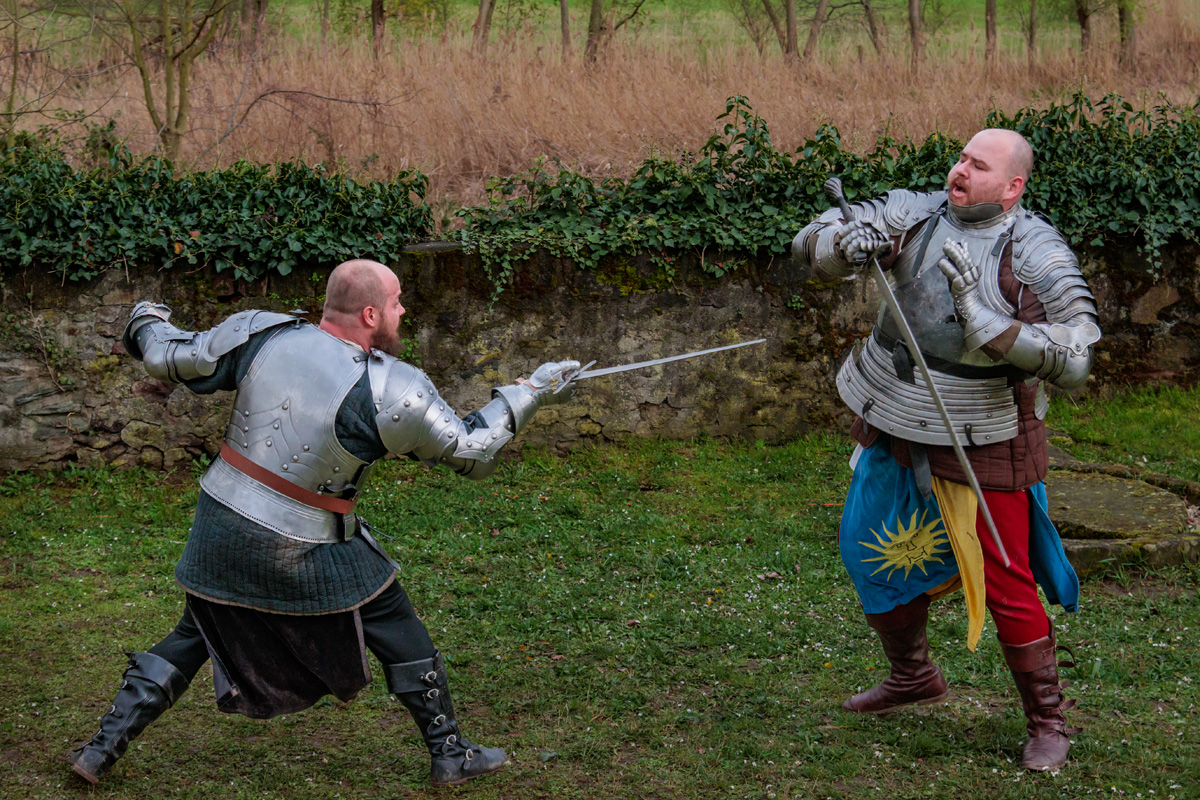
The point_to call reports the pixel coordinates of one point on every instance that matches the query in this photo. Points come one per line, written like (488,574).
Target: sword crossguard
(570,377)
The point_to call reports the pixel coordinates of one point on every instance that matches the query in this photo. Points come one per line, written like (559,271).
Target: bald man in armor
(286,589)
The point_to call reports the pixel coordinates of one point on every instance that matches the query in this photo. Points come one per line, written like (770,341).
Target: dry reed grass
(461,119)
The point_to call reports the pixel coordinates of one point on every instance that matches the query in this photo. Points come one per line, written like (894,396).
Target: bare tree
(482,29)
(378,25)
(564,13)
(1031,32)
(814,31)
(35,76)
(8,123)
(1083,15)
(916,38)
(872,26)
(758,19)
(1125,25)
(989,23)
(793,39)
(603,23)
(167,37)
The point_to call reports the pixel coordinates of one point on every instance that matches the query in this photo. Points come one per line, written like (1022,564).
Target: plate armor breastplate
(283,420)
(973,386)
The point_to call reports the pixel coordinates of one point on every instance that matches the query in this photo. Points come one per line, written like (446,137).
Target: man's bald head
(994,167)
(354,285)
(1021,159)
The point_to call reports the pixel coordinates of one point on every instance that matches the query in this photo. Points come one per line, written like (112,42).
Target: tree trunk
(595,33)
(780,34)
(789,50)
(914,34)
(378,24)
(1083,14)
(324,21)
(814,31)
(178,54)
(482,29)
(564,11)
(872,26)
(10,102)
(1128,33)
(989,24)
(1031,32)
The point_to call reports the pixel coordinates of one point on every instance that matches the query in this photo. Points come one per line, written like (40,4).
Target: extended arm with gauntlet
(840,250)
(175,355)
(412,419)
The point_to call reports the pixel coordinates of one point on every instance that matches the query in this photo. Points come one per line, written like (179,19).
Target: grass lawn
(654,619)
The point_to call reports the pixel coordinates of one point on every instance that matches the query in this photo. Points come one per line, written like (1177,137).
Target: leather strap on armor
(285,487)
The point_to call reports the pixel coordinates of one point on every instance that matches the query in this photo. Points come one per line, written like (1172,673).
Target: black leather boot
(423,688)
(150,686)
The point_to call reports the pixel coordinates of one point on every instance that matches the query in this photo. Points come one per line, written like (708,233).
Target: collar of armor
(982,215)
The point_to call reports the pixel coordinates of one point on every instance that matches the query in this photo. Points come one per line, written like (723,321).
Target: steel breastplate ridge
(283,420)
(983,408)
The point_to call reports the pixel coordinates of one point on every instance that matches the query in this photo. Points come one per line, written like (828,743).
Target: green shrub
(1104,172)
(254,219)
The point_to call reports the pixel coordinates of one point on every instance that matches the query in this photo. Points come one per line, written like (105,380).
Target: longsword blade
(889,298)
(595,373)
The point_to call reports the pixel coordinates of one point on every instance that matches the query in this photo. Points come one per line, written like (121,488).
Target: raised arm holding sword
(983,304)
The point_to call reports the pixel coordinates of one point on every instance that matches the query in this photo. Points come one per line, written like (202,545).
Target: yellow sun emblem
(914,546)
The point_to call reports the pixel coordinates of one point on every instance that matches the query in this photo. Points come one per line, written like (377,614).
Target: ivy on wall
(253,219)
(1104,171)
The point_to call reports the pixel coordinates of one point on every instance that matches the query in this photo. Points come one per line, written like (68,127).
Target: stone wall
(69,393)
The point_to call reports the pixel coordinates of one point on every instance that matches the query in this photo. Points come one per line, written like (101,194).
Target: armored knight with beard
(998,306)
(286,587)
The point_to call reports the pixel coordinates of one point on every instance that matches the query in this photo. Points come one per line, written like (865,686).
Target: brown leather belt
(283,486)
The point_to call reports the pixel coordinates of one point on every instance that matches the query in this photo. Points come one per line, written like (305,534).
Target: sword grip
(833,189)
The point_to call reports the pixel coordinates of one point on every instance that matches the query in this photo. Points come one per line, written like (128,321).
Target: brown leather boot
(1034,667)
(914,678)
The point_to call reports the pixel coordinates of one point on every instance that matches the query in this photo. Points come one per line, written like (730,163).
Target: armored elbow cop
(412,419)
(175,355)
(1058,353)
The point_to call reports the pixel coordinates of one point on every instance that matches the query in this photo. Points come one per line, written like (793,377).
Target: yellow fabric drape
(959,508)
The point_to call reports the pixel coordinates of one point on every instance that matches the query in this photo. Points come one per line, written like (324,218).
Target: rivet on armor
(245,445)
(447,419)
(470,444)
(245,429)
(295,459)
(407,403)
(395,417)
(329,482)
(419,394)
(285,467)
(269,443)
(245,413)
(987,437)
(194,353)
(237,327)
(275,426)
(923,423)
(337,469)
(306,448)
(285,405)
(495,436)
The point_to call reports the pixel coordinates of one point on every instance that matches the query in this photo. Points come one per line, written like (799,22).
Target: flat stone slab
(1107,519)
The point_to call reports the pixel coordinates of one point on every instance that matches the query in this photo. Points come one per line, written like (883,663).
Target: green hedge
(1104,172)
(253,219)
